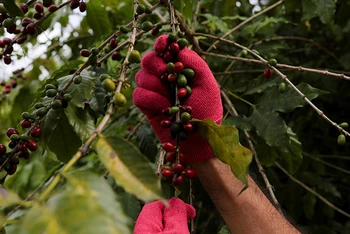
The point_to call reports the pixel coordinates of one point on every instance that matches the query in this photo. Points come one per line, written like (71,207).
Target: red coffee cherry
(74,4)
(178,180)
(26,123)
(178,67)
(116,56)
(171,78)
(36,132)
(170,156)
(24,8)
(22,146)
(2,149)
(31,29)
(168,147)
(85,52)
(181,92)
(267,73)
(182,158)
(166,123)
(11,131)
(188,127)
(38,15)
(52,8)
(190,173)
(168,56)
(113,43)
(23,154)
(165,111)
(12,170)
(178,168)
(39,8)
(82,6)
(166,173)
(7,59)
(155,31)
(174,47)
(31,145)
(7,41)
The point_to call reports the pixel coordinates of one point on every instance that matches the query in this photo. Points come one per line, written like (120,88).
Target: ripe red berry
(8,49)
(190,173)
(14,83)
(52,8)
(12,144)
(113,43)
(85,52)
(82,6)
(181,92)
(22,146)
(267,73)
(36,132)
(26,123)
(182,158)
(174,47)
(170,156)
(31,145)
(178,168)
(7,41)
(39,8)
(12,170)
(165,111)
(26,21)
(23,154)
(2,149)
(167,173)
(166,123)
(116,56)
(38,15)
(168,56)
(74,4)
(171,78)
(188,127)
(7,90)
(11,131)
(178,180)
(47,3)
(178,67)
(24,8)
(168,147)
(2,44)
(155,31)
(21,40)
(7,59)
(31,29)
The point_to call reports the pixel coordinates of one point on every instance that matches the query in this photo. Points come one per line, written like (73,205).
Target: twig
(160,161)
(195,15)
(255,155)
(190,198)
(245,22)
(312,191)
(134,130)
(155,11)
(263,61)
(327,163)
(334,157)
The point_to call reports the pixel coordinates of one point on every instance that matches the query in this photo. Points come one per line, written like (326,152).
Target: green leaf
(99,101)
(130,169)
(82,122)
(267,22)
(97,18)
(286,102)
(185,7)
(271,127)
(48,124)
(12,7)
(224,142)
(224,230)
(325,9)
(88,206)
(259,85)
(63,141)
(241,122)
(81,93)
(267,154)
(8,198)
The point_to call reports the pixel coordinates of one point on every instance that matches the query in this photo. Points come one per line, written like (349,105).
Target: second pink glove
(152,96)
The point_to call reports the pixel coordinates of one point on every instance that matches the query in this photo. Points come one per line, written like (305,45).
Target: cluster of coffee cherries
(20,144)
(28,25)
(7,86)
(177,117)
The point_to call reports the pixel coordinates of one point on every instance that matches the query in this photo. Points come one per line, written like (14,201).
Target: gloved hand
(155,218)
(152,96)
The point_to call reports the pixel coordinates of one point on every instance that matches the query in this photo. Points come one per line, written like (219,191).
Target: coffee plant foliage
(279,56)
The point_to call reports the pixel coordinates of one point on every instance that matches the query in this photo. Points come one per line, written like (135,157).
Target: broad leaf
(81,93)
(286,102)
(224,142)
(97,18)
(12,7)
(272,128)
(224,230)
(129,168)
(259,85)
(8,198)
(82,122)
(240,122)
(325,9)
(87,206)
(309,202)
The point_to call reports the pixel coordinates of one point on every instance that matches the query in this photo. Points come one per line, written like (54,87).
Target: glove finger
(149,102)
(191,212)
(161,44)
(152,83)
(150,219)
(153,64)
(176,217)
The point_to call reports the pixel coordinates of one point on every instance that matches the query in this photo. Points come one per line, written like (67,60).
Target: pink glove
(155,218)
(152,96)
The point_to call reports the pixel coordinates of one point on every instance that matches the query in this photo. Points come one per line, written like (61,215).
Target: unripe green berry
(182,43)
(282,87)
(42,111)
(185,117)
(181,80)
(140,9)
(135,57)
(146,26)
(174,110)
(170,67)
(123,29)
(108,85)
(148,10)
(188,72)
(273,62)
(50,86)
(26,115)
(15,137)
(119,99)
(67,97)
(344,125)
(188,90)
(51,92)
(244,53)
(341,139)
(172,38)
(56,104)
(77,79)
(102,77)
(24,137)
(38,105)
(94,51)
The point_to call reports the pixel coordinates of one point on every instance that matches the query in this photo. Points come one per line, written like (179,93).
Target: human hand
(152,96)
(155,218)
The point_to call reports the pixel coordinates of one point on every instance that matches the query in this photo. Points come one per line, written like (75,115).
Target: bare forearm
(249,212)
